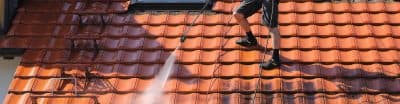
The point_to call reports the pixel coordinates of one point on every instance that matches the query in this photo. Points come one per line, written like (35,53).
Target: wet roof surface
(333,52)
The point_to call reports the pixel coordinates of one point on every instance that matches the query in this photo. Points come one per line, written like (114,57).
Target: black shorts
(269,8)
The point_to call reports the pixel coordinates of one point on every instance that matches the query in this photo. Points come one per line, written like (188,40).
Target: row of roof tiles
(217,98)
(320,7)
(291,6)
(317,1)
(204,31)
(69,6)
(204,43)
(198,56)
(212,70)
(213,85)
(171,18)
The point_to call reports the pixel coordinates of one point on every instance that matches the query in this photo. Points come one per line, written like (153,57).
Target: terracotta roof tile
(26,70)
(329,56)
(290,70)
(49,70)
(287,7)
(322,7)
(395,30)
(393,18)
(342,18)
(304,6)
(358,7)
(331,70)
(328,43)
(324,18)
(382,30)
(392,7)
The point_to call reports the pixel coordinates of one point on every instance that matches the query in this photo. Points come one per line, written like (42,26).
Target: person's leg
(270,19)
(275,43)
(246,9)
(275,59)
(242,21)
(249,40)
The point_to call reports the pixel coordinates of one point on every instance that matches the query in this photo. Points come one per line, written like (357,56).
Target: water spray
(155,90)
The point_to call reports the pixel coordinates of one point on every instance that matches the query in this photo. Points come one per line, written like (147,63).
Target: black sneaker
(270,64)
(246,42)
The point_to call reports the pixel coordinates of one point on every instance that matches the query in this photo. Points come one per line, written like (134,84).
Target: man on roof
(269,19)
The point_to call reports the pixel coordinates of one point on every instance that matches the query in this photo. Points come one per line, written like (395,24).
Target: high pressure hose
(183,37)
(217,66)
(265,50)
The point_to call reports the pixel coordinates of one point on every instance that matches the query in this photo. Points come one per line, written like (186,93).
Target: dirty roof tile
(312,85)
(57,56)
(59,43)
(32,56)
(104,70)
(290,70)
(332,70)
(332,85)
(353,70)
(336,98)
(191,70)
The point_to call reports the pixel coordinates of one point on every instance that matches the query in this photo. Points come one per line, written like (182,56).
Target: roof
(333,52)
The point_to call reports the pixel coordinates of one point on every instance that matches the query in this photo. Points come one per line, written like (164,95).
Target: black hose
(183,37)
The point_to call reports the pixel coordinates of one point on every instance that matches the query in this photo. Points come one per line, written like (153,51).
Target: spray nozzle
(183,38)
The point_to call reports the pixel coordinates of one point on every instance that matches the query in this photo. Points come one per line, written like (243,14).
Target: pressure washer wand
(183,38)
